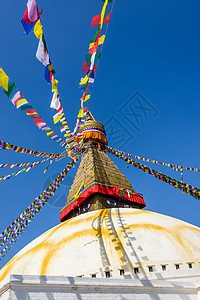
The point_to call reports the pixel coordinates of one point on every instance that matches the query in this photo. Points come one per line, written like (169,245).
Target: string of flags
(89,66)
(190,190)
(19,101)
(173,166)
(31,19)
(20,165)
(8,146)
(27,169)
(14,231)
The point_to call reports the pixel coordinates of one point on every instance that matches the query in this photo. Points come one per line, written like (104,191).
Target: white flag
(55,102)
(41,55)
(16,97)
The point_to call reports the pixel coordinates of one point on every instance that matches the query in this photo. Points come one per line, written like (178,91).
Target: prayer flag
(4,79)
(97,19)
(27,27)
(21,102)
(55,102)
(54,85)
(103,12)
(25,106)
(31,112)
(31,15)
(101,41)
(95,35)
(38,122)
(86,67)
(80,115)
(84,80)
(48,72)
(16,98)
(38,30)
(93,49)
(11,87)
(89,57)
(107,19)
(49,133)
(42,53)
(58,114)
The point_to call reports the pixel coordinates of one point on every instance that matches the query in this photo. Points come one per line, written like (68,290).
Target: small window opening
(107,274)
(136,270)
(150,269)
(190,265)
(164,267)
(121,272)
(177,266)
(94,275)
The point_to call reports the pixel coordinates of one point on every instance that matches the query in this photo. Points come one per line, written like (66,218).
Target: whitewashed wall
(27,287)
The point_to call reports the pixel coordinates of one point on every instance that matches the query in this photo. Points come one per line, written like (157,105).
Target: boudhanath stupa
(107,246)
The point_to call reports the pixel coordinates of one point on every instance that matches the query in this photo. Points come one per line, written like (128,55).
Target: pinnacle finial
(89,116)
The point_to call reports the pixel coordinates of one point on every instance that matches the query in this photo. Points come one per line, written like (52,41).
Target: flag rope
(8,146)
(173,166)
(12,233)
(190,190)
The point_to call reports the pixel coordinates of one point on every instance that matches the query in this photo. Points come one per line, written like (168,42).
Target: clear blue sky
(152,47)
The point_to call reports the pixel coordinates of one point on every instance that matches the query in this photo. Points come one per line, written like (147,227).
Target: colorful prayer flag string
(14,231)
(89,66)
(42,54)
(20,102)
(173,166)
(27,169)
(190,190)
(19,165)
(8,146)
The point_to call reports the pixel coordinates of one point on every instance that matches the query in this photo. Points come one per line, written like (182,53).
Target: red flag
(32,13)
(93,49)
(38,121)
(95,68)
(97,19)
(107,19)
(86,67)
(30,111)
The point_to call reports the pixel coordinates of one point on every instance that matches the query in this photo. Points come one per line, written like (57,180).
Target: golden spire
(98,182)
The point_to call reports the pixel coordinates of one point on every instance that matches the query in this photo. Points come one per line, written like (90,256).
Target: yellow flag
(4,79)
(103,12)
(84,80)
(67,135)
(87,98)
(80,114)
(58,118)
(20,102)
(101,41)
(54,85)
(48,133)
(38,30)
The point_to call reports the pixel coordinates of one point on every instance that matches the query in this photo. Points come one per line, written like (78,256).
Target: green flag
(11,87)
(88,57)
(95,35)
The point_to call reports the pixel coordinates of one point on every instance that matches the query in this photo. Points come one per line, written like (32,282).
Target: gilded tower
(98,183)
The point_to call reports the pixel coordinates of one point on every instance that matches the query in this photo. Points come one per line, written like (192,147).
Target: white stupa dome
(113,242)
